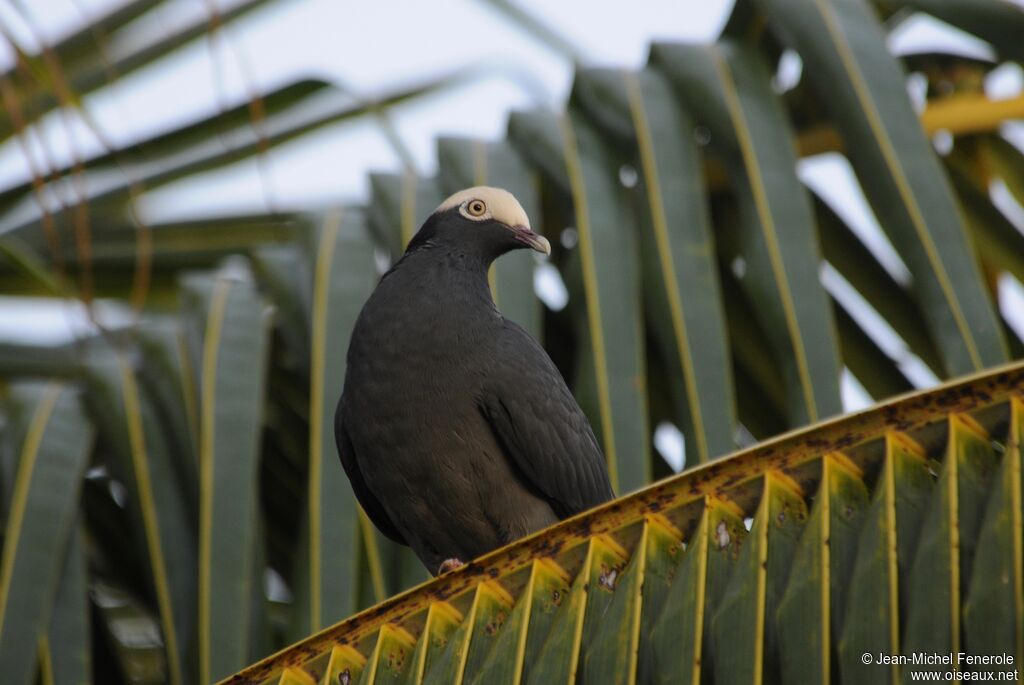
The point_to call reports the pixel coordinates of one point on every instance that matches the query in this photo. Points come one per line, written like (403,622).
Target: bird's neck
(446,275)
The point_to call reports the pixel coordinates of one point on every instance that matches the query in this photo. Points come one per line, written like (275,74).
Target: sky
(365,51)
(368,52)
(371,48)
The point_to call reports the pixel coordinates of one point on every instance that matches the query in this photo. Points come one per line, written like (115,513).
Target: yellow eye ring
(476,207)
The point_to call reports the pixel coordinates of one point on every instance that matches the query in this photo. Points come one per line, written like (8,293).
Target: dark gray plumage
(455,428)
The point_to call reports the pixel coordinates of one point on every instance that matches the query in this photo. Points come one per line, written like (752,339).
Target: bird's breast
(426,320)
(421,348)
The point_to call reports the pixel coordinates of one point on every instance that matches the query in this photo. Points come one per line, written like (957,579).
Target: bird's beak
(528,237)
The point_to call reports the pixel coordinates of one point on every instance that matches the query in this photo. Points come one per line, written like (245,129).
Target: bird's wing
(540,426)
(371,505)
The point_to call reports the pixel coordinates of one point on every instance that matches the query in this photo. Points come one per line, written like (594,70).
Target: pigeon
(455,428)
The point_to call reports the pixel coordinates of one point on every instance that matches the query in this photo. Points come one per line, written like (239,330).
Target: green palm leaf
(705,286)
(902,178)
(838,578)
(230,352)
(53,440)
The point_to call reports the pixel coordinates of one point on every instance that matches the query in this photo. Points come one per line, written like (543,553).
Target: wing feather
(371,505)
(541,427)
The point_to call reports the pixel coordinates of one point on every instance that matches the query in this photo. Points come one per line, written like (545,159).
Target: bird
(455,428)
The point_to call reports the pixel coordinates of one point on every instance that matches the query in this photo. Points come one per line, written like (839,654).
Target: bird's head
(483,221)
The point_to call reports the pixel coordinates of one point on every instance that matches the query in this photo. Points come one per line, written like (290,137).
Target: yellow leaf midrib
(211,344)
(761,203)
(147,503)
(888,152)
(659,222)
(325,257)
(22,483)
(592,296)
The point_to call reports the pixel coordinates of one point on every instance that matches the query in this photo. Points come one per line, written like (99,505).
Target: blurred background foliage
(171,500)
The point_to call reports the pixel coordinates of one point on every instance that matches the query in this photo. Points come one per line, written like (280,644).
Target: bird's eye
(476,208)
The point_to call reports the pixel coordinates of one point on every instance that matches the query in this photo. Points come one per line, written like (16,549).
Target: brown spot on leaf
(396,660)
(499,620)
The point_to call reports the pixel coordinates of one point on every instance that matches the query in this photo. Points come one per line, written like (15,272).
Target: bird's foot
(449,565)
